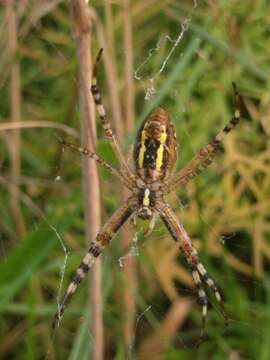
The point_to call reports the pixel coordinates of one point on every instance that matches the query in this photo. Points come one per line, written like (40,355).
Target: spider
(154,157)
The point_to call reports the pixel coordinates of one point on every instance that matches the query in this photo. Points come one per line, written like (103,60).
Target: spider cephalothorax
(154,157)
(146,202)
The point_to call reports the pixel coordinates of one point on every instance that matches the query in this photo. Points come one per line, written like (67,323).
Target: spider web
(173,42)
(150,91)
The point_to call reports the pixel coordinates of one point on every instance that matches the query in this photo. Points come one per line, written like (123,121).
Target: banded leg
(103,238)
(126,173)
(202,299)
(204,157)
(94,156)
(199,273)
(196,170)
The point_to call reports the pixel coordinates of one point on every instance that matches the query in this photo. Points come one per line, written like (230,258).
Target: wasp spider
(154,158)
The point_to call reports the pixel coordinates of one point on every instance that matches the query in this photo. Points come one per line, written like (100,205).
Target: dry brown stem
(128,67)
(15,115)
(109,27)
(38,124)
(81,24)
(129,263)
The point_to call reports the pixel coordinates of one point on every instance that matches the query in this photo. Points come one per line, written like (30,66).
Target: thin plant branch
(15,114)
(128,67)
(109,27)
(81,26)
(37,124)
(129,265)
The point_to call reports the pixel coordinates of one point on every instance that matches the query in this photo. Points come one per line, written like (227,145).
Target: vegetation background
(148,299)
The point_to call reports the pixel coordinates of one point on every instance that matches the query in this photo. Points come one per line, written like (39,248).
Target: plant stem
(127,235)
(81,24)
(15,115)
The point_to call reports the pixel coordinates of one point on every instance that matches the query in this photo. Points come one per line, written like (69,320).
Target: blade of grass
(82,345)
(19,266)
(239,56)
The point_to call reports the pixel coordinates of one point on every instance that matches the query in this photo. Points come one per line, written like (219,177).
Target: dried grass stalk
(81,23)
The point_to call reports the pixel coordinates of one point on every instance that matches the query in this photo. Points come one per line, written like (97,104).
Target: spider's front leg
(87,152)
(109,134)
(103,238)
(198,271)
(205,156)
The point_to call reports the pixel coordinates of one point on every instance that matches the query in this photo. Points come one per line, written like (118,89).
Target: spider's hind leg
(209,282)
(201,279)
(198,271)
(202,300)
(103,239)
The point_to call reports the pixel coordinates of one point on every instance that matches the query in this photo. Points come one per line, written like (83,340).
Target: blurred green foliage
(225,211)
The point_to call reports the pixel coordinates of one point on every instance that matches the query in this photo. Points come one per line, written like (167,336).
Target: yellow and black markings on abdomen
(155,148)
(150,154)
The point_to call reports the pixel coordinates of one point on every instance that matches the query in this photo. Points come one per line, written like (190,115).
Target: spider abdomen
(155,147)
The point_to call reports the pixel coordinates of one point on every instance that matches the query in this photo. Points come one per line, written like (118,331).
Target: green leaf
(82,343)
(26,258)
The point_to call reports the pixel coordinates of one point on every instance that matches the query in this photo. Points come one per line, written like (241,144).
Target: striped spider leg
(86,152)
(124,168)
(198,271)
(103,238)
(204,157)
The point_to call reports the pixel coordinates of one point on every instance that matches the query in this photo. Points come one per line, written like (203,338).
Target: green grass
(227,41)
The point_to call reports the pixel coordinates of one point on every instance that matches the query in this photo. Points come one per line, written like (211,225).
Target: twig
(81,24)
(128,66)
(109,27)
(15,114)
(126,238)
(37,124)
